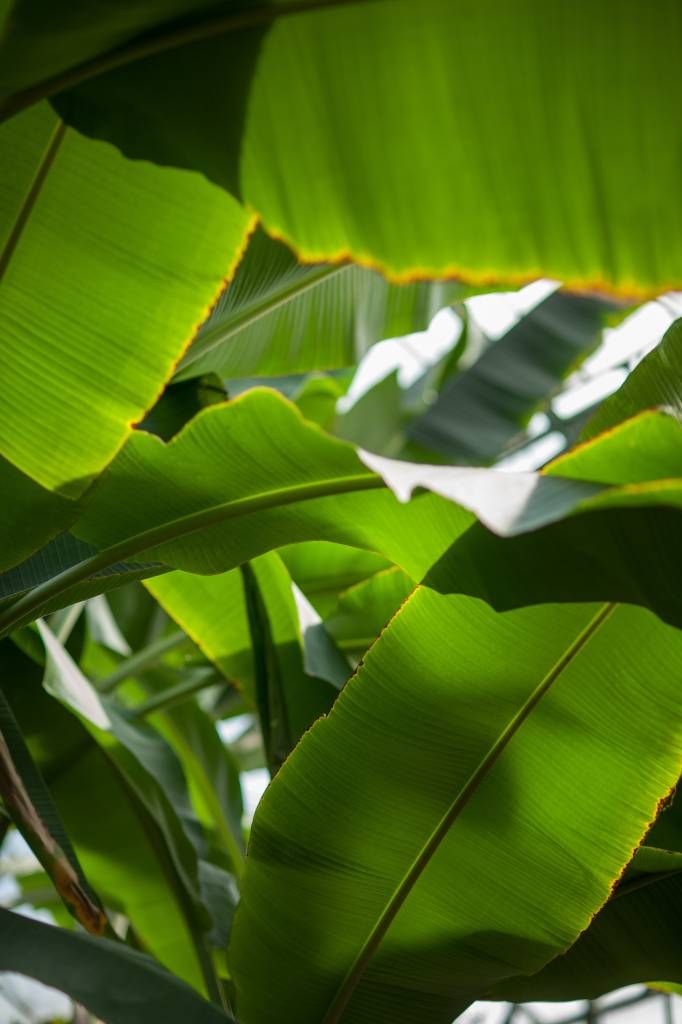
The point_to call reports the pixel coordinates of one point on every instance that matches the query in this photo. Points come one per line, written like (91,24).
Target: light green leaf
(319,116)
(113,259)
(446,850)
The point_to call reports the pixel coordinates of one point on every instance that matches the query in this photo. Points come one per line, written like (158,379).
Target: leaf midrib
(357,969)
(277,298)
(168,37)
(28,606)
(31,197)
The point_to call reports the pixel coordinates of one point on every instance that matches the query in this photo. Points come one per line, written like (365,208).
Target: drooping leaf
(609,553)
(160,694)
(118,984)
(228,487)
(288,105)
(115,834)
(282,316)
(114,259)
(321,657)
(212,777)
(446,850)
(482,408)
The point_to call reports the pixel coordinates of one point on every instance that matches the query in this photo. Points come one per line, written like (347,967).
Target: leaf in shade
(30,516)
(482,408)
(121,824)
(116,983)
(633,939)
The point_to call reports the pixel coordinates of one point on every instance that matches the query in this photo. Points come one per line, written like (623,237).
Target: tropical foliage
(461,677)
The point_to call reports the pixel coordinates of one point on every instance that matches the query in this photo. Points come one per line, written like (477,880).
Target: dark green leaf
(118,984)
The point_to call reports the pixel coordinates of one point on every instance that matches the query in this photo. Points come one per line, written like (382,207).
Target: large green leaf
(474,814)
(71,40)
(251,475)
(281,316)
(324,115)
(118,984)
(482,408)
(111,262)
(616,555)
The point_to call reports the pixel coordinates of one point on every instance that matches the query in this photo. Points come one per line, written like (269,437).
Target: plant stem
(31,199)
(142,660)
(30,604)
